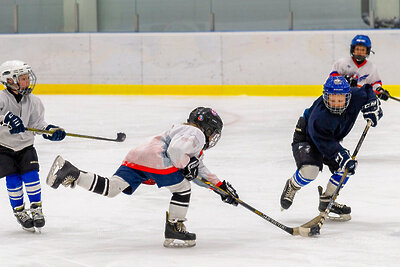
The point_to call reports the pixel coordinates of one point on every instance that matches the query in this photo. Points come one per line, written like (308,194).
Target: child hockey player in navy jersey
(357,69)
(18,158)
(317,137)
(170,159)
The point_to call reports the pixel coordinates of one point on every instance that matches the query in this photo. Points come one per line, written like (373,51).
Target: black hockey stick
(315,230)
(120,136)
(394,98)
(302,230)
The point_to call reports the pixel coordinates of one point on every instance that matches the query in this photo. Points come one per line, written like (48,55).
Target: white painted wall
(282,57)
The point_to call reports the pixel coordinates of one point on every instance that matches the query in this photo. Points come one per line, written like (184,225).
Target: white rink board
(241,58)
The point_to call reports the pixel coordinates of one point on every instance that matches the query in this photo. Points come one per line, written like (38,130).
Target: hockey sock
(32,185)
(334,182)
(15,192)
(94,183)
(305,175)
(179,204)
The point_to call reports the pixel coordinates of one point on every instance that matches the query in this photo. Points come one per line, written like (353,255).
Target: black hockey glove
(382,93)
(232,193)
(58,134)
(345,161)
(14,123)
(192,169)
(372,111)
(351,80)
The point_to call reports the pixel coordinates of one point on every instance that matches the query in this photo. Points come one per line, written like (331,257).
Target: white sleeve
(182,148)
(36,118)
(206,174)
(337,67)
(375,79)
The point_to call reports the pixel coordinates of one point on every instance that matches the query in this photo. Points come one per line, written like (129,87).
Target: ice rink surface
(254,155)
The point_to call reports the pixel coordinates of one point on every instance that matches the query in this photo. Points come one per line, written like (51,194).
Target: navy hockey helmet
(336,94)
(209,123)
(360,40)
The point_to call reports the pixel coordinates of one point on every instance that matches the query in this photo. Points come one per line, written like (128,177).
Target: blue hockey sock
(32,186)
(300,180)
(336,177)
(15,192)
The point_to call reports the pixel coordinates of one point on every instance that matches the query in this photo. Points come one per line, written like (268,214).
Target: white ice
(254,155)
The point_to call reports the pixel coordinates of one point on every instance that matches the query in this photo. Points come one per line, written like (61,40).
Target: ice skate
(62,172)
(24,219)
(338,212)
(176,235)
(288,194)
(37,215)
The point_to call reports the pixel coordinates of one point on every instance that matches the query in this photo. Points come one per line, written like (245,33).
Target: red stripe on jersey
(359,65)
(150,170)
(334,74)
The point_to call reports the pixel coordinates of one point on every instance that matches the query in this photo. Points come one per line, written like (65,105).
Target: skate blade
(31,230)
(176,243)
(38,230)
(57,164)
(338,218)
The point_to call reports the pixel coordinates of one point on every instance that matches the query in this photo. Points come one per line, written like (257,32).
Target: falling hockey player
(317,136)
(357,69)
(170,159)
(18,158)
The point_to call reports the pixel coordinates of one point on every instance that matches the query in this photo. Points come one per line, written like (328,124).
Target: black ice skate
(37,215)
(24,219)
(338,212)
(177,236)
(62,172)
(288,194)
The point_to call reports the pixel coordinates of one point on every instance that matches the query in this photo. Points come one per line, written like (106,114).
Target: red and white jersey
(170,151)
(365,73)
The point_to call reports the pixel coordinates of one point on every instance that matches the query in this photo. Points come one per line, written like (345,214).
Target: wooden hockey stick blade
(120,136)
(394,98)
(303,230)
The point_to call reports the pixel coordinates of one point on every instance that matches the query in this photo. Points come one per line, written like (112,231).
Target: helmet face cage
(13,70)
(362,40)
(336,86)
(210,124)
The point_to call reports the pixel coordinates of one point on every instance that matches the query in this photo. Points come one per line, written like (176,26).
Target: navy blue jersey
(325,130)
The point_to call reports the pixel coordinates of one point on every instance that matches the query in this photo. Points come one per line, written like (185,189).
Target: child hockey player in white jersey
(170,159)
(18,158)
(357,69)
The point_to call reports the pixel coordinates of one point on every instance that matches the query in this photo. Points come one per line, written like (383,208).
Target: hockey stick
(315,230)
(120,136)
(302,230)
(394,98)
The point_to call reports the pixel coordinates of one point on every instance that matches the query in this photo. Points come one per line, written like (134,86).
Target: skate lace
(37,212)
(22,215)
(181,227)
(68,180)
(290,192)
(340,206)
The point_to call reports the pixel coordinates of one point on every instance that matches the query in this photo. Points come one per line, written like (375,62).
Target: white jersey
(169,151)
(365,73)
(31,111)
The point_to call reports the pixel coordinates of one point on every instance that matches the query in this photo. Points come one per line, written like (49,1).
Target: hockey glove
(192,169)
(372,111)
(351,80)
(382,93)
(227,187)
(345,161)
(14,123)
(58,133)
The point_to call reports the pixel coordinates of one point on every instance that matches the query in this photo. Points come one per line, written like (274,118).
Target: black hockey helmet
(209,123)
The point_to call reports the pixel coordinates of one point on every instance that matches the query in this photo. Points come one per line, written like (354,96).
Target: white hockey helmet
(10,72)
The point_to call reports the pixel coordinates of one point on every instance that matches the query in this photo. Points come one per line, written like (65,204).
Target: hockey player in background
(357,69)
(171,159)
(317,136)
(18,158)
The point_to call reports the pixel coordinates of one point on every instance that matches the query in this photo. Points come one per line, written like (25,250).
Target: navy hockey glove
(192,169)
(232,193)
(382,93)
(351,80)
(14,123)
(58,134)
(372,111)
(345,161)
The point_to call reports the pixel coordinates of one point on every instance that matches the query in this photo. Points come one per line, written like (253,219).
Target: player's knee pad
(305,154)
